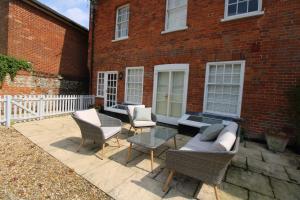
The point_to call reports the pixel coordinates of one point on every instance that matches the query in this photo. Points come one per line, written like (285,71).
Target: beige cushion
(142,114)
(132,107)
(89,116)
(226,138)
(143,123)
(211,132)
(195,144)
(110,131)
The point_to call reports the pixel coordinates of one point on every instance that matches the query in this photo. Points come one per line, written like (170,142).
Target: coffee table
(152,139)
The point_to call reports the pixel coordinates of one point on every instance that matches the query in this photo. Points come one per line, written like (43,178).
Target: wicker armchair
(208,167)
(139,124)
(99,133)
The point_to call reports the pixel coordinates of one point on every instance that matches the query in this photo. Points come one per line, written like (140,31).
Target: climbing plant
(10,65)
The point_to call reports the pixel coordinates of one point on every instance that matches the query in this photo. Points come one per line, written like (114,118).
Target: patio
(255,173)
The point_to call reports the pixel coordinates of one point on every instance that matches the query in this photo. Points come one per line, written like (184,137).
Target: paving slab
(109,175)
(239,161)
(294,174)
(175,195)
(250,180)
(284,190)
(255,145)
(280,159)
(138,187)
(257,196)
(269,169)
(250,153)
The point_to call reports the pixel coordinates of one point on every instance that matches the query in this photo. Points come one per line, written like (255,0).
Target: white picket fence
(27,107)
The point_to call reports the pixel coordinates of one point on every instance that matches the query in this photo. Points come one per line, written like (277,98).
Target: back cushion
(211,132)
(142,114)
(90,116)
(226,138)
(131,109)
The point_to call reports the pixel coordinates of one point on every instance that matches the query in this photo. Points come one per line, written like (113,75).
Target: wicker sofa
(97,127)
(202,160)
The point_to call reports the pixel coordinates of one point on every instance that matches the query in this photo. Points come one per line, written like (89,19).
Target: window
(223,88)
(176,15)
(122,22)
(100,84)
(134,85)
(242,8)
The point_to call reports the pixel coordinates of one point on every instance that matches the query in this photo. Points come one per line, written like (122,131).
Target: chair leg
(103,150)
(129,130)
(118,141)
(216,193)
(168,181)
(81,145)
(129,153)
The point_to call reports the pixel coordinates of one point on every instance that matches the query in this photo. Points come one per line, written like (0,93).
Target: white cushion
(143,123)
(142,114)
(132,107)
(89,116)
(211,132)
(195,144)
(226,138)
(110,131)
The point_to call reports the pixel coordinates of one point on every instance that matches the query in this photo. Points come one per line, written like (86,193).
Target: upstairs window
(224,87)
(176,15)
(122,22)
(134,85)
(242,8)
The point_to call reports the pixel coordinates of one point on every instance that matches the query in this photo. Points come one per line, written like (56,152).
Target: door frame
(171,68)
(105,86)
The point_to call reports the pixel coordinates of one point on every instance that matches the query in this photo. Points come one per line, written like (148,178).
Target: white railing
(26,107)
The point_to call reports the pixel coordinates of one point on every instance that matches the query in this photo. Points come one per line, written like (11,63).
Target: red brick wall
(270,44)
(3,26)
(53,47)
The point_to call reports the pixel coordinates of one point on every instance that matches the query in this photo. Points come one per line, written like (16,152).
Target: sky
(76,10)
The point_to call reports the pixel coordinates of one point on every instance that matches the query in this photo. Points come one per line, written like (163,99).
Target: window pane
(176,14)
(176,3)
(134,85)
(253,5)
(232,9)
(242,7)
(122,22)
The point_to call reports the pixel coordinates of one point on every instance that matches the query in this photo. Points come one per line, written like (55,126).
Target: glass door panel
(162,93)
(111,89)
(176,94)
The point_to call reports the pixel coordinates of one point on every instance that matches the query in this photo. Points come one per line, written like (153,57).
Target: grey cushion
(195,144)
(142,114)
(143,123)
(212,132)
(226,138)
(131,109)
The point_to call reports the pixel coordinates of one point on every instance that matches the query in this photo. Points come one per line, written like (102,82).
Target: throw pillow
(212,132)
(142,114)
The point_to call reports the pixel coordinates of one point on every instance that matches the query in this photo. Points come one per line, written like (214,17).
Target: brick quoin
(270,45)
(53,46)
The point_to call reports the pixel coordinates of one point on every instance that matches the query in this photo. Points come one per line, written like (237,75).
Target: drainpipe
(92,29)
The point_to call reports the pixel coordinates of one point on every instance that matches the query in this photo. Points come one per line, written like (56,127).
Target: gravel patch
(27,172)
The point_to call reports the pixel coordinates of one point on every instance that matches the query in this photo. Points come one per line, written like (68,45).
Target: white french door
(110,89)
(170,92)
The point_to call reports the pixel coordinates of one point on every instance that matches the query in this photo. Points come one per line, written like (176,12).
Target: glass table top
(154,138)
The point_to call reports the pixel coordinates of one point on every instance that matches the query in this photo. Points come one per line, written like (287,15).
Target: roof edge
(42,7)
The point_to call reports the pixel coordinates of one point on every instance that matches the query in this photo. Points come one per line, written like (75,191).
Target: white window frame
(167,19)
(116,25)
(126,85)
(239,16)
(97,95)
(242,63)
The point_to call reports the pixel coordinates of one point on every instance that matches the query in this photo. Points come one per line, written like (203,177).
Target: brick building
(229,58)
(56,46)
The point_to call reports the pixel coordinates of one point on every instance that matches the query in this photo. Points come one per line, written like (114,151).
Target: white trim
(167,19)
(171,68)
(125,93)
(116,24)
(239,16)
(97,84)
(105,86)
(175,30)
(242,62)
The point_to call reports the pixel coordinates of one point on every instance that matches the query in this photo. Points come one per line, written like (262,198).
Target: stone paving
(255,172)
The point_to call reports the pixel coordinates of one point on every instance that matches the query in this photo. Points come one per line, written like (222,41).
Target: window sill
(99,96)
(236,17)
(120,39)
(174,30)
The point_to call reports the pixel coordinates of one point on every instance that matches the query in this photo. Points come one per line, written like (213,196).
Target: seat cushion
(212,132)
(226,138)
(89,116)
(143,123)
(110,131)
(131,109)
(195,144)
(142,114)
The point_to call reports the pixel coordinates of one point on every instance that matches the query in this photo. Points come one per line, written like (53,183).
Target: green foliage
(10,65)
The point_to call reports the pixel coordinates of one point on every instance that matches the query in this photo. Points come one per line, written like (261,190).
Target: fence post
(8,111)
(41,107)
(81,102)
